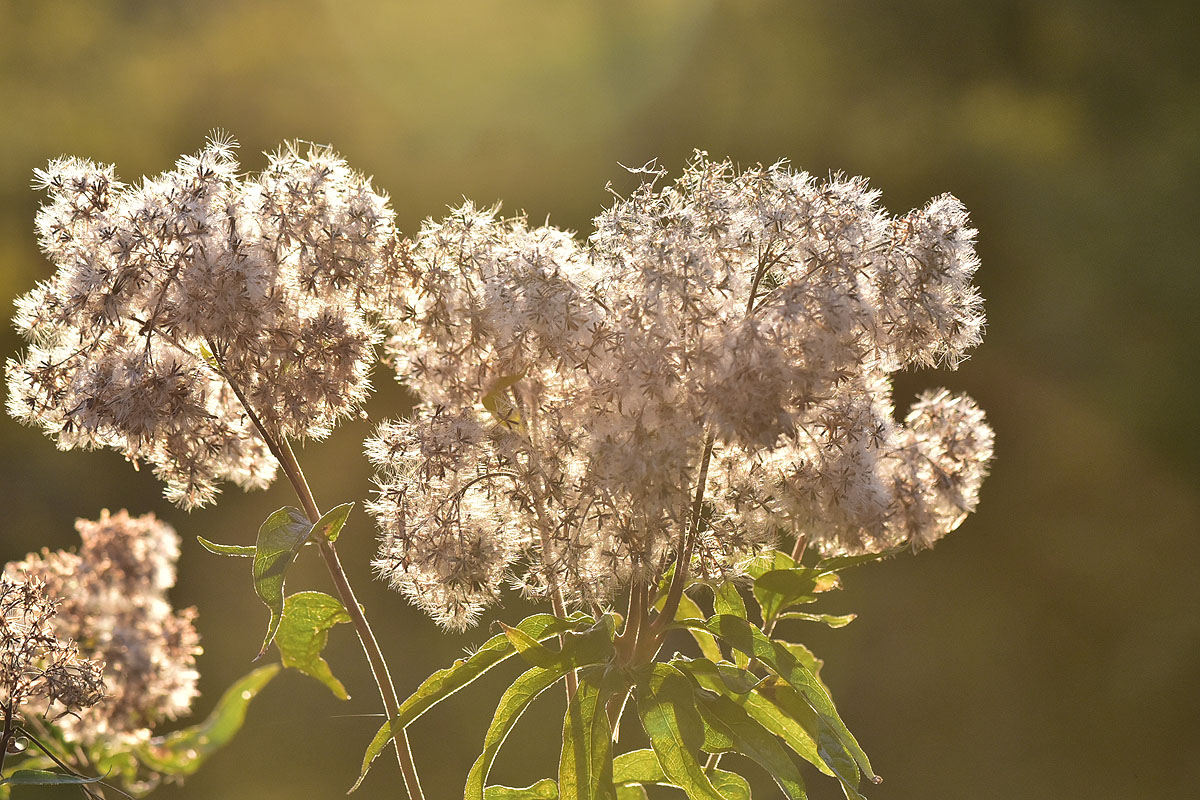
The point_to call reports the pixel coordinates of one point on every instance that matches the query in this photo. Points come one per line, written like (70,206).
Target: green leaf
(689,609)
(499,406)
(585,765)
(771,560)
(780,589)
(639,767)
(740,634)
(307,619)
(784,711)
(41,777)
(752,740)
(445,682)
(331,522)
(279,541)
(632,791)
(838,563)
(545,789)
(832,620)
(513,702)
(728,600)
(670,718)
(798,727)
(182,752)
(238,550)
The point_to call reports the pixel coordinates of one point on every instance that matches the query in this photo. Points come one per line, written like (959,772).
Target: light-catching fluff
(719,350)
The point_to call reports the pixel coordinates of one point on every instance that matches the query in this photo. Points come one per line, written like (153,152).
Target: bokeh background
(1049,648)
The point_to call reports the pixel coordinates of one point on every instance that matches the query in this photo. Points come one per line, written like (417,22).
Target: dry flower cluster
(719,349)
(111,599)
(174,296)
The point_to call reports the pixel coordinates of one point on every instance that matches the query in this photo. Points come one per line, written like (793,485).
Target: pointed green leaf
(771,560)
(727,600)
(780,589)
(182,752)
(279,541)
(445,682)
(784,711)
(238,550)
(832,620)
(545,789)
(331,522)
(838,563)
(641,767)
(41,777)
(670,718)
(798,727)
(585,765)
(752,740)
(632,791)
(740,634)
(689,609)
(513,702)
(307,619)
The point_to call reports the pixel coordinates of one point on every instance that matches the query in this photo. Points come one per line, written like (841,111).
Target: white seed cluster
(173,295)
(111,598)
(736,325)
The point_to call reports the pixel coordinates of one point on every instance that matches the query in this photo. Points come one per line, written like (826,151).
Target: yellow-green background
(1050,648)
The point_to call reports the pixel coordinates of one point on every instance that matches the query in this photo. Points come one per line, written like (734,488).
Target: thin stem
(683,557)
(6,736)
(90,792)
(282,450)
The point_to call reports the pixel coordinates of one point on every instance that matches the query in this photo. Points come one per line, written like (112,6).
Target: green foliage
(303,632)
(236,550)
(182,752)
(445,682)
(279,541)
(41,777)
(545,789)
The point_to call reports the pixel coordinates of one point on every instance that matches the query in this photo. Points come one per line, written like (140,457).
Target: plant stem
(379,667)
(683,557)
(282,450)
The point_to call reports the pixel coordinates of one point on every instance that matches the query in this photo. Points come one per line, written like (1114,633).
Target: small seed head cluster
(736,324)
(39,668)
(173,295)
(112,601)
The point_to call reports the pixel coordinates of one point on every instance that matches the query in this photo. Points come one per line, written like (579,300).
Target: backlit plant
(690,407)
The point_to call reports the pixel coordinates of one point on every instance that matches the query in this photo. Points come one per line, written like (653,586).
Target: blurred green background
(1049,648)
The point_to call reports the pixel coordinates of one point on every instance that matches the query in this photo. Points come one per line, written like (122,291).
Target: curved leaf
(237,550)
(670,718)
(585,766)
(727,600)
(279,541)
(41,777)
(545,789)
(798,726)
(639,767)
(513,702)
(838,563)
(752,740)
(781,589)
(832,620)
(307,619)
(445,682)
(331,522)
(740,634)
(772,559)
(784,711)
(182,752)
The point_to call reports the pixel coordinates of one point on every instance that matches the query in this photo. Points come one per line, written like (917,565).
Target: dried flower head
(39,667)
(713,361)
(112,600)
(174,296)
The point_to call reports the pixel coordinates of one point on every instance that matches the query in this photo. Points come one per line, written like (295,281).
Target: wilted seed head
(112,601)
(760,310)
(38,667)
(170,293)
